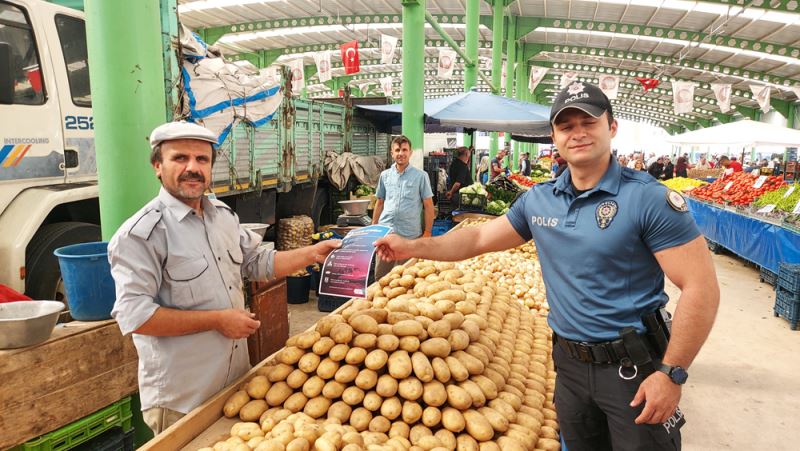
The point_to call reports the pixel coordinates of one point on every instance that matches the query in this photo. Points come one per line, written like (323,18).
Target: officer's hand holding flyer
(346,270)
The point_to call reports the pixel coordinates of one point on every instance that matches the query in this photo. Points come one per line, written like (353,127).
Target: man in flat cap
(178,265)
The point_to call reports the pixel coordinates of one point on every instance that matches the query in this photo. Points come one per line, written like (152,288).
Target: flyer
(346,270)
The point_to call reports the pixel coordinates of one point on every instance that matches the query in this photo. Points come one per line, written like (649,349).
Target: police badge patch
(605,213)
(676,201)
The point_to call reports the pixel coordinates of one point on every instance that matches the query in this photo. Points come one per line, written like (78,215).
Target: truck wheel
(43,276)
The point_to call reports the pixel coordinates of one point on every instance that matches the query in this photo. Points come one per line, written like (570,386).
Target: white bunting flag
(761,95)
(364,87)
(298,76)
(796,91)
(323,61)
(568,78)
(609,84)
(447,59)
(723,94)
(537,75)
(388,45)
(682,96)
(386,85)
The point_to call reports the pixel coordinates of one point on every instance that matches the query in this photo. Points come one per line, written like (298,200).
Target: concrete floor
(743,391)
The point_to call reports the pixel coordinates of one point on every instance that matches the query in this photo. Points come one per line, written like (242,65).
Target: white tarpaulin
(340,166)
(744,133)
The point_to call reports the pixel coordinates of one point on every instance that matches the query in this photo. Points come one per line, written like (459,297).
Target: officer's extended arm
(495,235)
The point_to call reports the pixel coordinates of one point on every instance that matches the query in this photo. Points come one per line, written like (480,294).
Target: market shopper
(730,164)
(403,193)
(497,167)
(483,170)
(656,168)
(669,169)
(606,237)
(525,164)
(460,174)
(178,265)
(682,167)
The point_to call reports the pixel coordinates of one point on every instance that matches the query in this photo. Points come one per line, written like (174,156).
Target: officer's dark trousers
(594,411)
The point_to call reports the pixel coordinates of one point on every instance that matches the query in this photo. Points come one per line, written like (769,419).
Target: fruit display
(435,358)
(683,184)
(737,189)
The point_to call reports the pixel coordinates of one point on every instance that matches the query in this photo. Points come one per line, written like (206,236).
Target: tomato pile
(741,191)
(521,180)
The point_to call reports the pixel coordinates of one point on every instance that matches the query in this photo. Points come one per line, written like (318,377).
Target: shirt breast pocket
(190,283)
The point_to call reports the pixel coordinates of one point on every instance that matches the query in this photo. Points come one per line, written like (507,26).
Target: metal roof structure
(741,42)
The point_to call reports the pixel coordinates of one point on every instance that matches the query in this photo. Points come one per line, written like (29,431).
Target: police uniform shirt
(403,194)
(596,249)
(167,256)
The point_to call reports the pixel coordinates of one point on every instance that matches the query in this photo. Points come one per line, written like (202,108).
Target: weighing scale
(355,214)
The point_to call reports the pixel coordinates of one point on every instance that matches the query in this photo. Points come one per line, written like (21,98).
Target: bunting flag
(388,45)
(323,61)
(796,91)
(350,57)
(723,94)
(537,75)
(447,59)
(568,78)
(648,83)
(609,84)
(682,96)
(364,87)
(761,95)
(386,85)
(298,75)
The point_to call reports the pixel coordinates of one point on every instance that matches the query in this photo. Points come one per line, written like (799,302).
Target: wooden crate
(268,302)
(83,367)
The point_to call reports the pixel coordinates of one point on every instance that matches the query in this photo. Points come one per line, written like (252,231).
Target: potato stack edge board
(436,358)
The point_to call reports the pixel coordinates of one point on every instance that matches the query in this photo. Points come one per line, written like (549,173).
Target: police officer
(606,236)
(178,265)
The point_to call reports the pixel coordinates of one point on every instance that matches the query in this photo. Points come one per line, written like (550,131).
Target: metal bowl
(26,323)
(354,207)
(256,227)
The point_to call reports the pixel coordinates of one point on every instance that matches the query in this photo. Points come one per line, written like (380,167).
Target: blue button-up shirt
(596,249)
(403,194)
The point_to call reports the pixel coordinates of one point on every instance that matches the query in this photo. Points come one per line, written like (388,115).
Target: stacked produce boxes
(787,294)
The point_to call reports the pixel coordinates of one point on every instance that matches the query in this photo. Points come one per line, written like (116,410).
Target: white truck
(48,172)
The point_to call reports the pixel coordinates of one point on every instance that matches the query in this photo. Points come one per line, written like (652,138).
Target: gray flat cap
(181,130)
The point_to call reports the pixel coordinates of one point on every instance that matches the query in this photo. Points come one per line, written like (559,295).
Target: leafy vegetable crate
(471,202)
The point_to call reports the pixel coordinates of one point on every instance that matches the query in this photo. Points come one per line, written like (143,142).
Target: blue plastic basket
(787,306)
(789,277)
(441,226)
(768,277)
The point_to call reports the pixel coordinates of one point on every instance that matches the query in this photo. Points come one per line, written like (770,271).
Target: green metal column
(127,73)
(511,53)
(521,87)
(414,71)
(471,47)
(497,60)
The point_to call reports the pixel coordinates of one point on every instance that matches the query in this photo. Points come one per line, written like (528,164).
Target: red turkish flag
(647,83)
(350,57)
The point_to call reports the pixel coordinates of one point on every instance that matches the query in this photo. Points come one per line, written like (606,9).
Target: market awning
(468,111)
(745,133)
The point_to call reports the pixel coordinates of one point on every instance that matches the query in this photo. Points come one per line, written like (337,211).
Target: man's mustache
(191,177)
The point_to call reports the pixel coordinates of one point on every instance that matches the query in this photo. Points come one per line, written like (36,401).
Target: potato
(418,432)
(453,420)
(313,387)
(548,432)
(458,397)
(257,387)
(360,419)
(295,402)
(458,339)
(352,438)
(379,424)
(429,311)
(395,292)
(425,321)
(323,444)
(342,333)
(372,401)
(436,287)
(400,365)
(407,328)
(410,388)
(346,374)
(472,329)
(439,329)
(338,352)
(323,346)
(246,428)
(353,447)
(455,319)
(376,359)
(466,443)
(388,343)
(280,372)
(409,344)
(366,341)
(333,389)
(458,371)
(298,444)
(510,444)
(278,393)
(306,340)
(431,416)
(355,356)
(366,379)
(327,368)
(290,355)
(486,385)
(317,407)
(391,408)
(440,370)
(308,363)
(455,295)
(436,347)
(386,386)
(412,412)
(253,410)
(353,395)
(473,365)
(401,428)
(296,379)
(447,438)
(478,426)
(365,323)
(475,392)
(396,317)
(422,367)
(548,444)
(489,446)
(496,419)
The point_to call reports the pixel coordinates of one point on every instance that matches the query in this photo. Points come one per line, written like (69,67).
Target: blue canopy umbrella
(465,112)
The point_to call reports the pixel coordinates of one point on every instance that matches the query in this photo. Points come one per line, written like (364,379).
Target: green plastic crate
(116,415)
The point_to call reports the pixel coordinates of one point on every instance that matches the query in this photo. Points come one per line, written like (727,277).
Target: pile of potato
(294,232)
(517,270)
(435,359)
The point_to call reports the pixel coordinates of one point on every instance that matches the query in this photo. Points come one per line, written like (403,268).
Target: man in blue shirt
(606,236)
(403,192)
